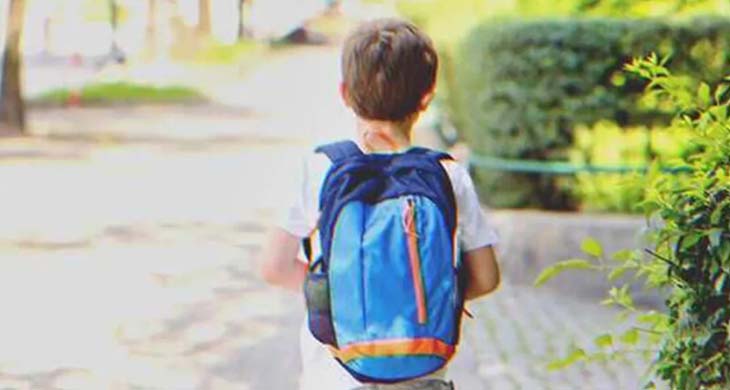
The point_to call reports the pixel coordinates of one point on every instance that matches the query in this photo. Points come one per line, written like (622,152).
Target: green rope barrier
(559,168)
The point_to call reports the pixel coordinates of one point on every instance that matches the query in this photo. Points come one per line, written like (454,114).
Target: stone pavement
(519,329)
(131,267)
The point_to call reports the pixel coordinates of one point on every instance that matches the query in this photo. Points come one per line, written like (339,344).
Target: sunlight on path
(133,265)
(299,92)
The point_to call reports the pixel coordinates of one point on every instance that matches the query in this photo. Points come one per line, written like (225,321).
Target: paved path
(126,255)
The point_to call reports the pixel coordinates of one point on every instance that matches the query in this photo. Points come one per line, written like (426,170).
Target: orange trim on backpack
(415,259)
(427,347)
(311,258)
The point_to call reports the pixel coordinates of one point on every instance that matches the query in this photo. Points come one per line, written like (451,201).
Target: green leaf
(547,274)
(592,247)
(630,337)
(718,112)
(574,357)
(604,340)
(720,91)
(719,212)
(623,255)
(618,272)
(690,240)
(703,94)
(557,268)
(619,296)
(715,237)
(725,250)
(651,317)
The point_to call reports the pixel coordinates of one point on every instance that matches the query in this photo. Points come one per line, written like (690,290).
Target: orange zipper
(409,225)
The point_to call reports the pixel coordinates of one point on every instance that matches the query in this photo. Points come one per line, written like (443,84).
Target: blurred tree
(151,29)
(641,7)
(47,23)
(204,17)
(12,110)
(241,25)
(116,54)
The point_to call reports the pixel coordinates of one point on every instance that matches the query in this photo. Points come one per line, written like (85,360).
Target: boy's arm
(482,272)
(278,261)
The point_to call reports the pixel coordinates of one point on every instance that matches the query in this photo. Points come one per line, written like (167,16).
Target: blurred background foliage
(520,79)
(545,80)
(121,92)
(520,88)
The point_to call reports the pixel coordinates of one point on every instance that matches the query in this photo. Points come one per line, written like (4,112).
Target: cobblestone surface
(520,329)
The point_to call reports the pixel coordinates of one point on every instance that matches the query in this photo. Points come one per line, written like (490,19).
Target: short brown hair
(388,66)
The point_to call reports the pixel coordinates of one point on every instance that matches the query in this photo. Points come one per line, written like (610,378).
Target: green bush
(694,243)
(690,254)
(519,89)
(607,144)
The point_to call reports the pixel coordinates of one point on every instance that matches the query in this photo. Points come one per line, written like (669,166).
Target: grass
(217,54)
(191,47)
(119,93)
(331,26)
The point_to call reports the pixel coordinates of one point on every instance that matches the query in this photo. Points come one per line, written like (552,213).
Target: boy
(389,73)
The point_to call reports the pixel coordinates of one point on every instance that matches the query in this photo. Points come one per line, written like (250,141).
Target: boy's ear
(427,98)
(345,94)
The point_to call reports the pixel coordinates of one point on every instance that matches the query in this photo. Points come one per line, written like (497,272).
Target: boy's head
(388,70)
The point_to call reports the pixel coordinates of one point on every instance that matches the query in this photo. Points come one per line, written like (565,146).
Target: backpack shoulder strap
(336,152)
(339,151)
(433,154)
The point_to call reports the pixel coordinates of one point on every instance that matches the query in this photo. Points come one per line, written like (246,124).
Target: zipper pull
(409,218)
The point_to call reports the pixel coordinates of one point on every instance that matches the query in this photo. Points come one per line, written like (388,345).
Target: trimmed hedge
(518,89)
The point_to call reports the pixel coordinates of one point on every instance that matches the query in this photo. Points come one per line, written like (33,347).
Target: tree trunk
(12,110)
(113,15)
(204,17)
(151,29)
(241,24)
(116,53)
(47,23)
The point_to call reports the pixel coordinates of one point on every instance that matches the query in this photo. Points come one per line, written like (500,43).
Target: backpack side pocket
(319,313)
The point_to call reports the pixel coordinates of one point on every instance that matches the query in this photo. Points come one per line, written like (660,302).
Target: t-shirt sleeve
(474,228)
(299,213)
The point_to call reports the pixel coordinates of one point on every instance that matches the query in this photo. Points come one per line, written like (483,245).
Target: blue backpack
(385,293)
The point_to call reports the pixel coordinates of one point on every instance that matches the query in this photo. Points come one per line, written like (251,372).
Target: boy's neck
(384,136)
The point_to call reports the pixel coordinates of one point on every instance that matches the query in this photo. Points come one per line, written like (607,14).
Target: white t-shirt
(319,370)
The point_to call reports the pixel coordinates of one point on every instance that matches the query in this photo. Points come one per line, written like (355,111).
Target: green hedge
(519,89)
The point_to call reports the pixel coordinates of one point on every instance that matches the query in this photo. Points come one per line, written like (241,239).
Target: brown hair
(388,66)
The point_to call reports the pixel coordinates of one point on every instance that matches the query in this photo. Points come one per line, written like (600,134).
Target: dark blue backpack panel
(372,178)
